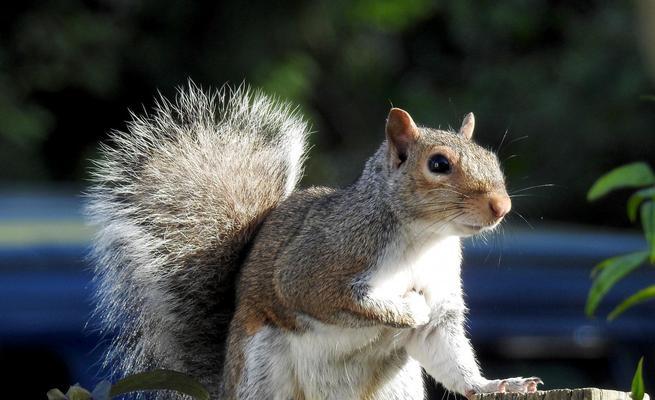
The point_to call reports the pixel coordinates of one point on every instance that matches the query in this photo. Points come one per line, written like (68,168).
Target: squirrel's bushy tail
(176,199)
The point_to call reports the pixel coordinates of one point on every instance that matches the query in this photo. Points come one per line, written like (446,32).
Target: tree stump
(561,394)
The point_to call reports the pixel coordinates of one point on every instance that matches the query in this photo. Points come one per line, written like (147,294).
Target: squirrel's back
(176,200)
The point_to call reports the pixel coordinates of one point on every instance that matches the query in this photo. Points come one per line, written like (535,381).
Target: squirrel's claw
(512,385)
(520,385)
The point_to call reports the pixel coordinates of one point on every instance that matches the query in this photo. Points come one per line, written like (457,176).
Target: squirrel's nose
(499,204)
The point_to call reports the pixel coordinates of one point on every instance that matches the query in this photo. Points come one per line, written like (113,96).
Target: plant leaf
(637,298)
(77,392)
(631,175)
(609,272)
(160,379)
(648,223)
(638,382)
(56,394)
(635,200)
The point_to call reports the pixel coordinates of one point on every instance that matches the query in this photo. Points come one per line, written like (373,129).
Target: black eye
(439,164)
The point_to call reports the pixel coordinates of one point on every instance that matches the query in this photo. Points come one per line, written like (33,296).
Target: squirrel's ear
(401,132)
(467,126)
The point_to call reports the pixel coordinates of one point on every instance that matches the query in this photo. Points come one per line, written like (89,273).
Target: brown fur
(199,197)
(311,250)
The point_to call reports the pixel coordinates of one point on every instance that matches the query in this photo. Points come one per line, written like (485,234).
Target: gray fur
(341,294)
(176,199)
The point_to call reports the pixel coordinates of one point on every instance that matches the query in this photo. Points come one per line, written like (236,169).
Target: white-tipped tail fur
(176,199)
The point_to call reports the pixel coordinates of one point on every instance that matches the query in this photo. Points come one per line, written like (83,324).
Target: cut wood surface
(561,394)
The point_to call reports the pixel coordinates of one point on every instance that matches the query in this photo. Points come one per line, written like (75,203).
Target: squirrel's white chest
(431,268)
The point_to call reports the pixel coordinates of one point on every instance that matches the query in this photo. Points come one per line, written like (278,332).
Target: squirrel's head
(444,180)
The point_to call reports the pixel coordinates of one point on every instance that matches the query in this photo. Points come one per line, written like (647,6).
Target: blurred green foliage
(562,78)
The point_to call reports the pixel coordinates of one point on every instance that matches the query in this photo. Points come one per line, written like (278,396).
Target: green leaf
(56,394)
(160,379)
(609,272)
(77,392)
(636,199)
(631,175)
(648,223)
(638,382)
(637,298)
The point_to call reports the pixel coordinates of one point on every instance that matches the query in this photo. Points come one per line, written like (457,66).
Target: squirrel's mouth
(473,227)
(477,228)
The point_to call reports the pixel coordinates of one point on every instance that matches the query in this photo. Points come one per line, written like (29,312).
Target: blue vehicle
(526,292)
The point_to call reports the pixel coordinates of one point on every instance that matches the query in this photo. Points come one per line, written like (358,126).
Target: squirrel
(209,261)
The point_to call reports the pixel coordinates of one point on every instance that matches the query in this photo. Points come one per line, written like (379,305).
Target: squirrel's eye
(439,164)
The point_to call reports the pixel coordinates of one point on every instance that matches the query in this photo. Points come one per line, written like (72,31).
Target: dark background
(565,83)
(564,79)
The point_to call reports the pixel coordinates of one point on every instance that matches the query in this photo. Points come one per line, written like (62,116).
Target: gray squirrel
(211,262)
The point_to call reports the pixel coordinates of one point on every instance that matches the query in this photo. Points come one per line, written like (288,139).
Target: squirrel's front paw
(418,308)
(515,385)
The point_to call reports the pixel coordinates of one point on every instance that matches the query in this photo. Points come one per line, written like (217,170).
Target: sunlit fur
(175,200)
(345,289)
(340,293)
